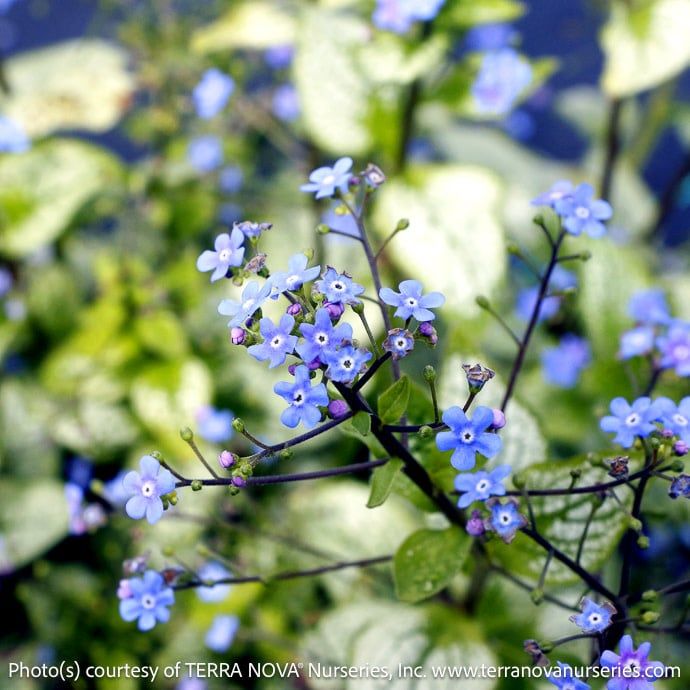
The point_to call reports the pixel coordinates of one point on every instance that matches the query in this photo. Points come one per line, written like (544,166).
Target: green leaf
(427,561)
(393,401)
(468,13)
(361,423)
(52,182)
(453,211)
(644,43)
(334,110)
(75,85)
(382,479)
(561,519)
(33,517)
(253,25)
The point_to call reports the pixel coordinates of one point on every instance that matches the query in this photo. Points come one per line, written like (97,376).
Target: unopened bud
(186,434)
(197,485)
(238,425)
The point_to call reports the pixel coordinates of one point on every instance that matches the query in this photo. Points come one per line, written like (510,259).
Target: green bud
(576,473)
(654,442)
(650,595)
(546,647)
(403,224)
(233,490)
(643,542)
(425,432)
(197,485)
(322,229)
(317,297)
(186,434)
(519,481)
(429,373)
(166,502)
(309,253)
(358,308)
(634,524)
(677,466)
(482,302)
(168,551)
(341,210)
(286,454)
(237,280)
(245,470)
(650,617)
(513,249)
(172,498)
(537,597)
(238,425)
(156,454)
(585,255)
(539,219)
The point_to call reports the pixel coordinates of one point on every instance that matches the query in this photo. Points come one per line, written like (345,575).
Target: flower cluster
(503,77)
(398,16)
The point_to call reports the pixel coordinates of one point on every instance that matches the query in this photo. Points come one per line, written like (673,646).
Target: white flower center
(292,281)
(681,352)
(467,437)
(148,488)
(246,306)
(482,486)
(148,601)
(582,212)
(401,343)
(411,302)
(347,363)
(679,420)
(632,419)
(338,286)
(277,341)
(321,338)
(298,398)
(595,618)
(224,255)
(504,518)
(329,179)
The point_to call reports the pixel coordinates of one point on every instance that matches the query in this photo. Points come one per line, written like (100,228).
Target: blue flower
(214,426)
(230,179)
(467,437)
(228,252)
(146,488)
(646,672)
(581,212)
(564,679)
(505,518)
(250,228)
(205,153)
(213,571)
(324,181)
(562,365)
(322,337)
(680,486)
(676,418)
(399,15)
(399,343)
(339,288)
(303,399)
(285,103)
(675,348)
(561,279)
(410,302)
(502,77)
(6,281)
(594,617)
(489,37)
(212,93)
(6,4)
(296,275)
(346,363)
(278,341)
(279,57)
(13,139)
(221,634)
(253,297)
(649,307)
(636,342)
(149,600)
(563,189)
(628,421)
(479,486)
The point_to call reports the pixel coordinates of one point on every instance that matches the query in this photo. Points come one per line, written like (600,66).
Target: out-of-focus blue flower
(581,212)
(5,5)
(628,421)
(399,15)
(80,471)
(6,281)
(221,634)
(279,57)
(505,518)
(296,275)
(189,683)
(149,601)
(564,679)
(228,253)
(251,228)
(212,571)
(146,488)
(340,222)
(680,486)
(13,139)
(212,93)
(593,617)
(674,347)
(339,288)
(114,492)
(519,124)
(303,399)
(253,297)
(324,181)
(467,437)
(646,672)
(676,418)
(399,342)
(322,337)
(649,307)
(486,37)
(562,365)
(502,77)
(214,426)
(345,364)
(561,279)
(479,486)
(83,517)
(559,190)
(278,342)
(285,103)
(636,342)
(410,302)
(205,153)
(230,179)
(229,213)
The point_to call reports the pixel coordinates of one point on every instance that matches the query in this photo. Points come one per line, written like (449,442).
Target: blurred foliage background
(110,340)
